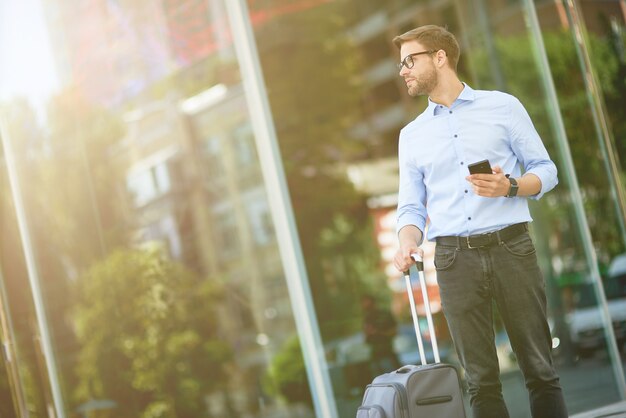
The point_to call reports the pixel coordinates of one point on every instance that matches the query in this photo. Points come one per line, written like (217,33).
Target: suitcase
(426,391)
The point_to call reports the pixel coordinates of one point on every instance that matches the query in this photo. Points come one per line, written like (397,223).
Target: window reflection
(152,226)
(149,183)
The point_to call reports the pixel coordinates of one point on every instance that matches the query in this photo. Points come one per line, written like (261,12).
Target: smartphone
(480,167)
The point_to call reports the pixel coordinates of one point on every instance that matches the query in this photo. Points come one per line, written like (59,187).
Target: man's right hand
(409,236)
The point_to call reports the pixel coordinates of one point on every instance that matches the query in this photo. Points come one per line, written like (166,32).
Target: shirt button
(455,136)
(461,162)
(450,111)
(466,191)
(469,218)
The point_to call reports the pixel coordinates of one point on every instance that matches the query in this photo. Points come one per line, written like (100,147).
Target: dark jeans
(469,280)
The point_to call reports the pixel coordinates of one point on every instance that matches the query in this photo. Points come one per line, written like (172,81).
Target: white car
(585,321)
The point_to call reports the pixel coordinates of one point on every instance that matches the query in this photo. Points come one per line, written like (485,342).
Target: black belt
(484,240)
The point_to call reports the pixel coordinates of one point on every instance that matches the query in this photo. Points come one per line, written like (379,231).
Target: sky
(26,63)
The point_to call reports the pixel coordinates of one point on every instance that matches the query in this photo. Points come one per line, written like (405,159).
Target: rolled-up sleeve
(411,193)
(529,148)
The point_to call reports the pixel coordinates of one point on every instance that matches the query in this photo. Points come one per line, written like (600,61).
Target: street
(587,385)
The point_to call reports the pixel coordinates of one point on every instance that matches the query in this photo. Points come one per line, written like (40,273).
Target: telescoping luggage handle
(429,317)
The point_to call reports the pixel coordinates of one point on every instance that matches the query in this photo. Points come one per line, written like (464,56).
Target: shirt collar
(467,94)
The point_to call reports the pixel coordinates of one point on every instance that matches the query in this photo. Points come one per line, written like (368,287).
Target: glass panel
(158,259)
(6,402)
(26,387)
(151,225)
(596,46)
(11,390)
(361,120)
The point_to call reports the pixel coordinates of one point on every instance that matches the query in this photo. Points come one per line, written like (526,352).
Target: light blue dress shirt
(436,147)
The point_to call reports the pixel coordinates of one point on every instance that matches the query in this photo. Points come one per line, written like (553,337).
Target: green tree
(6,402)
(74,201)
(287,374)
(79,182)
(149,337)
(350,264)
(26,138)
(309,66)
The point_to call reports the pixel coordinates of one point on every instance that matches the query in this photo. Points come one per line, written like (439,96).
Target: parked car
(585,321)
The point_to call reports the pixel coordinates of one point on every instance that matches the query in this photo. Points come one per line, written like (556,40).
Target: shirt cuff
(548,181)
(416,221)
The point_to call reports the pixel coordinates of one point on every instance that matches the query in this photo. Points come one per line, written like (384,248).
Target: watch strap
(514,186)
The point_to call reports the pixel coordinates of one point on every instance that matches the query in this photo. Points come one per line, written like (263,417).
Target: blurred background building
(141,268)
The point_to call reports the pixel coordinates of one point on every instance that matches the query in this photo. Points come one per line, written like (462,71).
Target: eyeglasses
(408,60)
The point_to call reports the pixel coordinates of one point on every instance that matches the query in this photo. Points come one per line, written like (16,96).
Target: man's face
(423,77)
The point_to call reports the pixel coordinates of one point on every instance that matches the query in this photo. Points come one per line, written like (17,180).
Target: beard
(425,84)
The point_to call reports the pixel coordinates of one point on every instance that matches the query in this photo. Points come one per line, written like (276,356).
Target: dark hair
(433,37)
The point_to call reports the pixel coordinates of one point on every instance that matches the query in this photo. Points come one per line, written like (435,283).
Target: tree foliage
(309,66)
(149,336)
(6,401)
(73,201)
(287,374)
(79,181)
(26,139)
(313,110)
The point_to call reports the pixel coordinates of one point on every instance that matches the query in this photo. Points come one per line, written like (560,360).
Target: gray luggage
(426,391)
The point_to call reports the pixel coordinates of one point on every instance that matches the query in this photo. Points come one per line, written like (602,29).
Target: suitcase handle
(429,317)
(403,370)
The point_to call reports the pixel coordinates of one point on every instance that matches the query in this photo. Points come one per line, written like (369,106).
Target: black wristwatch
(513,188)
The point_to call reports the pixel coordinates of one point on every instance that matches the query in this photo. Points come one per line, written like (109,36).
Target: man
(479,222)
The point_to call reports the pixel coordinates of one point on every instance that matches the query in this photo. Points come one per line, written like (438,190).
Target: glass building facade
(192,227)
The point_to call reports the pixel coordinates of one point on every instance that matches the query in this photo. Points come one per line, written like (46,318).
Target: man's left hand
(490,185)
